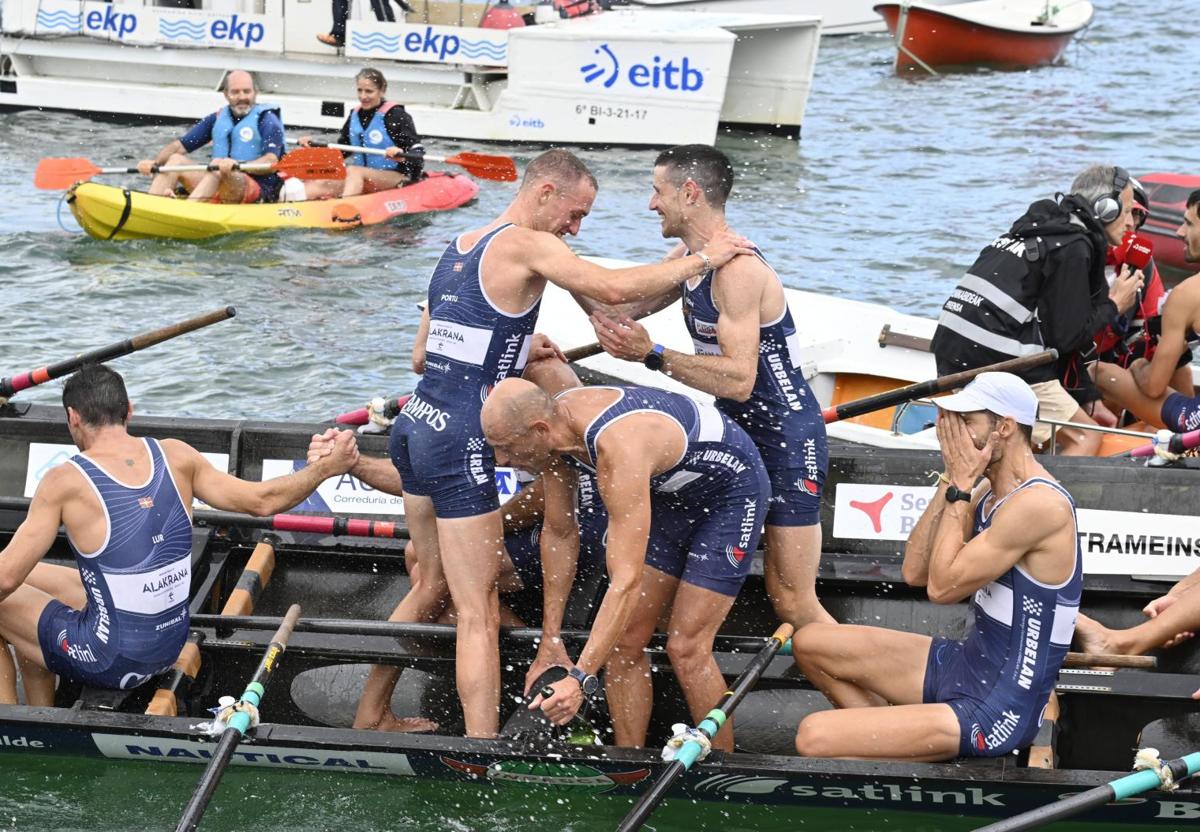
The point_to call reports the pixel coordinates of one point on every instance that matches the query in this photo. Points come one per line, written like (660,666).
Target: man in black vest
(1041,286)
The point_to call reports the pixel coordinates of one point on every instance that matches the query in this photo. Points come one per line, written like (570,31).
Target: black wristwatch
(588,683)
(654,358)
(954,494)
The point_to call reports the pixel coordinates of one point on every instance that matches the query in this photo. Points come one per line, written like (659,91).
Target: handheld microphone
(1138,251)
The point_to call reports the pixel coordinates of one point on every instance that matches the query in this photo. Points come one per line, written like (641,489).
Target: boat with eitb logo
(628,77)
(253,578)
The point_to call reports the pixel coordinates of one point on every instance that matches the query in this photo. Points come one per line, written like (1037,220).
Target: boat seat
(1173,736)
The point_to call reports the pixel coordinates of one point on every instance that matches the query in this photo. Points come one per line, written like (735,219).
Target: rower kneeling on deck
(984,696)
(243,132)
(125,502)
(660,459)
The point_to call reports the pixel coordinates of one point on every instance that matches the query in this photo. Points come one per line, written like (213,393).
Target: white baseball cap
(1002,393)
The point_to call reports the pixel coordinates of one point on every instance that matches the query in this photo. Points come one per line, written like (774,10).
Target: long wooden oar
(482,165)
(237,725)
(309,523)
(709,726)
(304,163)
(1128,786)
(391,407)
(891,398)
(9,386)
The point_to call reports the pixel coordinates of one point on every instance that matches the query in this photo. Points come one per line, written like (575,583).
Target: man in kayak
(1145,387)
(1042,285)
(659,459)
(125,502)
(746,355)
(243,132)
(1009,543)
(477,328)
(378,124)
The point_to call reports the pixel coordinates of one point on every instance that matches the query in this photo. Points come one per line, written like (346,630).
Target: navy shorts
(524,548)
(450,463)
(992,720)
(796,454)
(71,648)
(711,546)
(1181,413)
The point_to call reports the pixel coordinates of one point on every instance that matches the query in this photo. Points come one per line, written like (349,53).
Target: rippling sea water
(893,189)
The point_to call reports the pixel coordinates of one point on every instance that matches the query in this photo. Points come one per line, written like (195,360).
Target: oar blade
(313,163)
(483,166)
(60,174)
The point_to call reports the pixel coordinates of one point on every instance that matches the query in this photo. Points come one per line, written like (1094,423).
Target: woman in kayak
(381,125)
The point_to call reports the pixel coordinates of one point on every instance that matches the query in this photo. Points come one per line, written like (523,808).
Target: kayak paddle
(9,386)
(481,165)
(237,724)
(303,163)
(1159,774)
(690,751)
(890,398)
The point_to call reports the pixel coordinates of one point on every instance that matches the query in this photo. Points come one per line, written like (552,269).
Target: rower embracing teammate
(478,330)
(122,617)
(747,356)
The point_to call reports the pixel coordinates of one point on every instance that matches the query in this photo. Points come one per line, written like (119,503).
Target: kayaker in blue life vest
(1009,544)
(122,616)
(241,132)
(379,124)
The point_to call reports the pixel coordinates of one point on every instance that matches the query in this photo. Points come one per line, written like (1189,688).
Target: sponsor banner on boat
(347,494)
(433,44)
(1112,542)
(119,747)
(45,455)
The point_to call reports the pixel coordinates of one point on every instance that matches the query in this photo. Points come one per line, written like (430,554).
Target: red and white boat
(1007,34)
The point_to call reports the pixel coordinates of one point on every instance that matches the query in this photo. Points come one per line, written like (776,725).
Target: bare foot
(403,725)
(1093,637)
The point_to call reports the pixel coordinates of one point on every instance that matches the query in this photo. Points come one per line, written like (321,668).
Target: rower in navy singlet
(709,505)
(781,415)
(1004,671)
(121,614)
(437,443)
(137,584)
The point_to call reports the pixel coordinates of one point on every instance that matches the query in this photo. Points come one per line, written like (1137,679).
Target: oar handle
(1110,660)
(586,351)
(891,398)
(1177,444)
(9,386)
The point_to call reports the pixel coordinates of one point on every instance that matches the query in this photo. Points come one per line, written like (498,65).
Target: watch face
(654,361)
(590,685)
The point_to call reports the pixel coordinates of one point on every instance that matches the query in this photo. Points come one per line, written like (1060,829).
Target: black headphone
(1108,207)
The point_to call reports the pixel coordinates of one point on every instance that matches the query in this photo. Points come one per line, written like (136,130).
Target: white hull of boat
(838,17)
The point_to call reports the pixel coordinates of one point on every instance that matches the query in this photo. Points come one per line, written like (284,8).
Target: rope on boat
(58,215)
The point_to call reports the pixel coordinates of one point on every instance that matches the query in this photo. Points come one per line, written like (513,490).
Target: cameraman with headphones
(1040,286)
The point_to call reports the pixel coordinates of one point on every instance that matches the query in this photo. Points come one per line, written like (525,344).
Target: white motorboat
(838,17)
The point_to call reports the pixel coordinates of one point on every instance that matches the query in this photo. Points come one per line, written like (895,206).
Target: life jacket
(576,8)
(374,135)
(992,315)
(240,140)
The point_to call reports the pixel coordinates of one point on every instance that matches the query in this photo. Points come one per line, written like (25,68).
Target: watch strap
(956,494)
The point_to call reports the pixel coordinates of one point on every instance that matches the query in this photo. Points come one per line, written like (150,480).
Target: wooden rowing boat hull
(99,209)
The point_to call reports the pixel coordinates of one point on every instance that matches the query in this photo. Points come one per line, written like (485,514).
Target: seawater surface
(895,186)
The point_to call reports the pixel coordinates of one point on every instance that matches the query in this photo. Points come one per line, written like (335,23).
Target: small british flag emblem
(146,502)
(458,267)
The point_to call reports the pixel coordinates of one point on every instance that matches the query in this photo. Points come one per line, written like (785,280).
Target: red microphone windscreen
(1140,250)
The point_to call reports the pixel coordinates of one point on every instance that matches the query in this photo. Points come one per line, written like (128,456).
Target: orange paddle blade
(59,174)
(496,168)
(313,163)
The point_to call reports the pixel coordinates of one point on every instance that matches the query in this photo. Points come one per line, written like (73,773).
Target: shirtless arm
(919,547)
(229,493)
(737,290)
(560,556)
(34,537)
(418,356)
(1154,376)
(548,256)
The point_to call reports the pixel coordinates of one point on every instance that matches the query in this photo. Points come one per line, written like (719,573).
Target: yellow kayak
(110,213)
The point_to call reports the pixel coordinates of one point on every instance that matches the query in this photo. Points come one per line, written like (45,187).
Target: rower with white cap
(999,528)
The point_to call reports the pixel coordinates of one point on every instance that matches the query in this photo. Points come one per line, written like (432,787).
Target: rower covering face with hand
(476,331)
(1010,544)
(662,460)
(125,502)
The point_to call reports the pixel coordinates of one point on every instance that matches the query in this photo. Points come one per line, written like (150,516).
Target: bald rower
(477,330)
(659,458)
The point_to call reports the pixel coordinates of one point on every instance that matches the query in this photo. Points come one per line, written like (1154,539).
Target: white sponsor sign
(43,456)
(347,494)
(116,746)
(150,593)
(1112,542)
(437,44)
(468,344)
